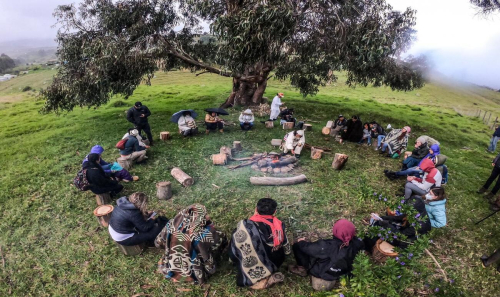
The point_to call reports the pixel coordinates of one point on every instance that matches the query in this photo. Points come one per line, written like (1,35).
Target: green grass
(52,244)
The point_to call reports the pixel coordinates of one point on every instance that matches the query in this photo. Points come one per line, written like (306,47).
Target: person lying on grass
(395,142)
(421,186)
(132,224)
(294,142)
(192,245)
(259,246)
(397,224)
(133,150)
(328,259)
(187,125)
(99,182)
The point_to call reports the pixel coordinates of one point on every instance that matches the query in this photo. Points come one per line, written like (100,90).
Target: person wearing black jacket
(494,175)
(491,259)
(99,182)
(131,223)
(353,131)
(328,259)
(138,115)
(338,125)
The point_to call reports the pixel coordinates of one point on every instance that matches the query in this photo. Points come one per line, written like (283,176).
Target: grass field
(53,246)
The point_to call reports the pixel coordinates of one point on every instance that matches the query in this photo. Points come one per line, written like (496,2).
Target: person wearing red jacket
(421,186)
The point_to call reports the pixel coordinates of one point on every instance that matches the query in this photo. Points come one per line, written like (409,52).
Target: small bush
(416,109)
(118,103)
(27,88)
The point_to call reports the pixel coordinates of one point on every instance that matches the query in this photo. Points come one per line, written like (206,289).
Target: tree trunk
(182,177)
(339,161)
(249,88)
(164,190)
(278,181)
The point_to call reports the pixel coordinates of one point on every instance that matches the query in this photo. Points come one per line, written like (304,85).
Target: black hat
(138,104)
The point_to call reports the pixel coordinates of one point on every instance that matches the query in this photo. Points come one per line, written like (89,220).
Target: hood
(427,165)
(97,149)
(123,203)
(440,202)
(435,149)
(300,132)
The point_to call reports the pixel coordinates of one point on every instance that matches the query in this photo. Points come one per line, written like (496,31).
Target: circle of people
(259,244)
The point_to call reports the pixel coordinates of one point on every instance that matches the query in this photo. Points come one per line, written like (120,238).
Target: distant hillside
(30,50)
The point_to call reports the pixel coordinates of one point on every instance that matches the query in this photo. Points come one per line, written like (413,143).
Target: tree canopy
(487,6)
(109,47)
(6,63)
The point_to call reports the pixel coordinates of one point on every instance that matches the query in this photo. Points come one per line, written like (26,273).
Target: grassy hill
(52,245)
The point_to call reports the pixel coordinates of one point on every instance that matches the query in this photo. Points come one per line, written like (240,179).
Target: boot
(489,196)
(482,190)
(298,270)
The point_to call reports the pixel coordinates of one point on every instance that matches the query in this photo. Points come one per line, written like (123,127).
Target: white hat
(134,132)
(300,132)
(248,111)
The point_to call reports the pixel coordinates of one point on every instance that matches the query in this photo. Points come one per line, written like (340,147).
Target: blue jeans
(246,126)
(415,171)
(379,139)
(493,143)
(368,140)
(410,162)
(384,147)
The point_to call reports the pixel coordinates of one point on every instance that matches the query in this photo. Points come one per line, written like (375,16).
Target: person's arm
(241,119)
(137,147)
(252,119)
(313,249)
(289,142)
(147,112)
(140,224)
(496,159)
(207,119)
(130,116)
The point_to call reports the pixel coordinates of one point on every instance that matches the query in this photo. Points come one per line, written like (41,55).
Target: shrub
(118,103)
(27,88)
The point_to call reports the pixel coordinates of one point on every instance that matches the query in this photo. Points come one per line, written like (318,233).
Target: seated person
(328,259)
(286,116)
(433,154)
(353,131)
(367,135)
(394,143)
(138,136)
(187,125)
(294,142)
(377,133)
(246,120)
(435,205)
(133,150)
(259,243)
(97,149)
(121,174)
(421,186)
(213,122)
(491,259)
(99,182)
(191,245)
(420,151)
(132,224)
(338,126)
(398,224)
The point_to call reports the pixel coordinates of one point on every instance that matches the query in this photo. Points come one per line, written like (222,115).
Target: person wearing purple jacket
(97,149)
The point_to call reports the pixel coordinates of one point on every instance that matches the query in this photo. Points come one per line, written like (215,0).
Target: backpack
(80,181)
(121,144)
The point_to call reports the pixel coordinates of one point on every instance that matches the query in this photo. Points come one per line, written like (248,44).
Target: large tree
(108,47)
(487,6)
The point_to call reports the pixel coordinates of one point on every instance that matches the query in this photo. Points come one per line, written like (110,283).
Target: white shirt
(139,138)
(118,236)
(246,118)
(183,122)
(292,141)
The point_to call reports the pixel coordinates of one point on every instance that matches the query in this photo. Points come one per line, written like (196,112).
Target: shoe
(135,178)
(297,156)
(381,152)
(495,207)
(484,258)
(489,196)
(207,132)
(385,171)
(269,281)
(377,148)
(298,270)
(482,190)
(221,131)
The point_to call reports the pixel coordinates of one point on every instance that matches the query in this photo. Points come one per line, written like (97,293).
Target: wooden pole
(237,146)
(484,116)
(182,177)
(278,181)
(488,119)
(164,190)
(339,161)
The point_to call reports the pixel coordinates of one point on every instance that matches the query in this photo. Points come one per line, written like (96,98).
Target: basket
(383,250)
(219,159)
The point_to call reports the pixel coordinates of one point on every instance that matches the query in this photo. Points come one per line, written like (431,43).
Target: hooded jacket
(420,152)
(436,210)
(354,131)
(431,177)
(127,219)
(97,149)
(291,141)
(134,115)
(246,117)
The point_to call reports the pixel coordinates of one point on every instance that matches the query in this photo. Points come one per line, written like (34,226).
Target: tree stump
(276,142)
(278,181)
(288,125)
(103,199)
(237,146)
(125,163)
(219,159)
(226,150)
(329,124)
(316,153)
(164,190)
(132,250)
(319,284)
(165,136)
(308,127)
(269,124)
(182,177)
(325,131)
(339,161)
(103,214)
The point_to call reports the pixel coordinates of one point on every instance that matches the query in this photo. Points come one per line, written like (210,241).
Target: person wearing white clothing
(137,135)
(294,142)
(246,120)
(187,125)
(275,106)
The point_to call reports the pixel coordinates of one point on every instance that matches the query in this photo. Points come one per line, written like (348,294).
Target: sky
(461,44)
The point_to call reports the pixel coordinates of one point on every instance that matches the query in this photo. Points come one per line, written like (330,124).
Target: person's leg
(369,140)
(117,189)
(242,125)
(250,125)
(379,140)
(493,144)
(495,189)
(138,156)
(494,174)
(492,258)
(220,126)
(147,237)
(147,129)
(408,172)
(298,150)
(301,258)
(384,147)
(411,188)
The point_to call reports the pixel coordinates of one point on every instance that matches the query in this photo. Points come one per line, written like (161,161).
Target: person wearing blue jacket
(97,149)
(494,140)
(133,150)
(435,205)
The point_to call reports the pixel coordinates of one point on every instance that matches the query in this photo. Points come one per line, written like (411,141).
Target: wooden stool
(237,146)
(329,124)
(308,127)
(103,199)
(132,250)
(319,284)
(288,125)
(316,153)
(182,177)
(339,161)
(269,124)
(164,190)
(275,142)
(326,131)
(103,214)
(165,136)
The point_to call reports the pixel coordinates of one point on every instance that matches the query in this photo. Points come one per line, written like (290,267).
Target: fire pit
(275,163)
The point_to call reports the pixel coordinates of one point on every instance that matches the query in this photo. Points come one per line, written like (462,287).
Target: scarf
(345,231)
(276,227)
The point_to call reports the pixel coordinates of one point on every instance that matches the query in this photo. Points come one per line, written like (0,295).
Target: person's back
(126,218)
(132,145)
